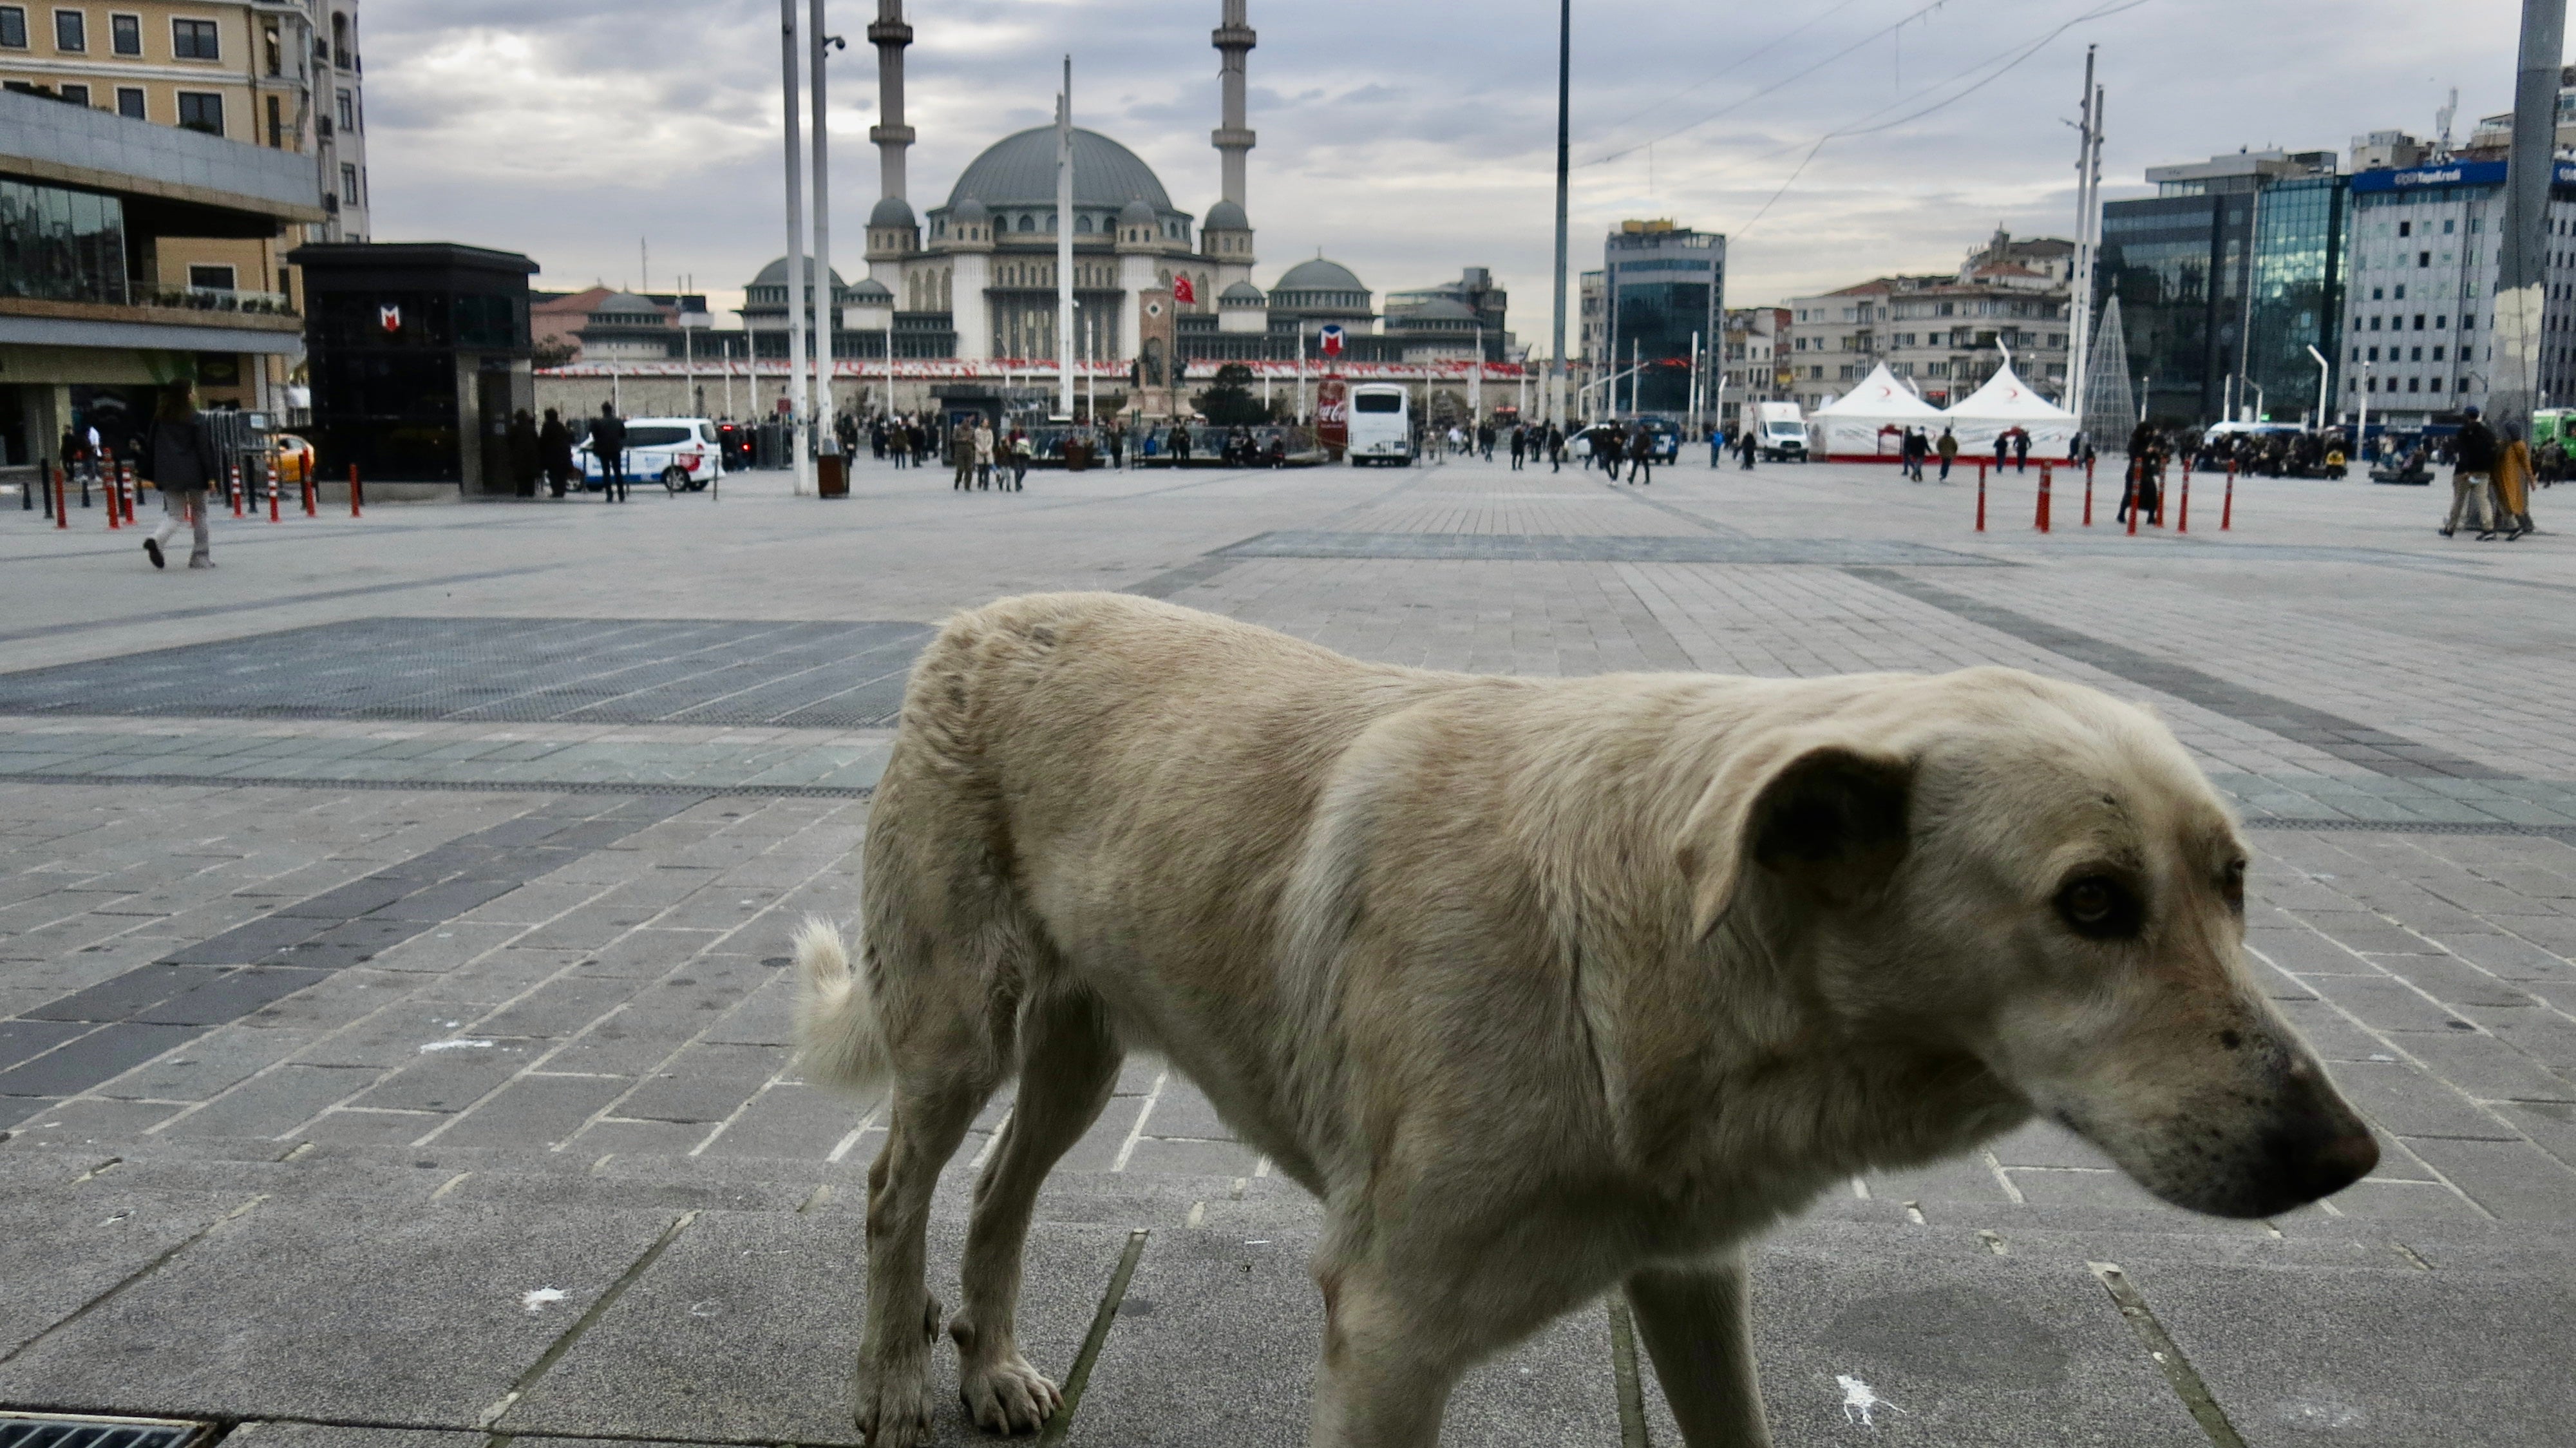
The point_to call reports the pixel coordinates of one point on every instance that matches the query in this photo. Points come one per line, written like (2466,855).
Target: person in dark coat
(178,457)
(1641,455)
(608,444)
(554,450)
(523,452)
(2021,449)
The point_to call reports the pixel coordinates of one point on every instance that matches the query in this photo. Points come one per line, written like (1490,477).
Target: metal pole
(823,300)
(2325,372)
(797,275)
(2080,287)
(1064,243)
(1564,93)
(2522,271)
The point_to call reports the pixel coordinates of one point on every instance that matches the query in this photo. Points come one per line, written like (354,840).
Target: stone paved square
(393,926)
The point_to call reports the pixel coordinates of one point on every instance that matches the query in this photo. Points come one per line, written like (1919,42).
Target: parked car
(290,458)
(683,454)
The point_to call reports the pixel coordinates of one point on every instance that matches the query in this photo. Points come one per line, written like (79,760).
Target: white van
(1780,432)
(1381,425)
(680,453)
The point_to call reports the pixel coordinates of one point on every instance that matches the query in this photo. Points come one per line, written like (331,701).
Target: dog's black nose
(2316,1156)
(2337,1162)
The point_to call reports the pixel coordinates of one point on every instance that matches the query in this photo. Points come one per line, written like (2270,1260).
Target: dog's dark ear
(1829,817)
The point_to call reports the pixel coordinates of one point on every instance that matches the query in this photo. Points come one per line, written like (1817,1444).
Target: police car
(683,454)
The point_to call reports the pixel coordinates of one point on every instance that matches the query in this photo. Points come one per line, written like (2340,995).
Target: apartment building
(281,74)
(1945,334)
(1756,366)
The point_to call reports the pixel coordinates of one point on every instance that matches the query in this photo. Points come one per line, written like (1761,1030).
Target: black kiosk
(418,354)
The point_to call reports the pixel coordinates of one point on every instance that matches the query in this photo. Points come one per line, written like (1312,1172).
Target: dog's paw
(891,1401)
(1008,1396)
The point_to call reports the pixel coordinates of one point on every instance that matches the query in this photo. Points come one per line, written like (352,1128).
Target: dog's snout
(2322,1157)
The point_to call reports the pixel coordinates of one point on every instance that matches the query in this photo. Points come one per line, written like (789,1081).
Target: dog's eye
(2100,908)
(2232,885)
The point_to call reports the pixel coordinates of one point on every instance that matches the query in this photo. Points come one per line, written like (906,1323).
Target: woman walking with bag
(179,459)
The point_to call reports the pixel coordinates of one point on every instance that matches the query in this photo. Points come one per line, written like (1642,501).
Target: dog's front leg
(1700,1334)
(1387,1371)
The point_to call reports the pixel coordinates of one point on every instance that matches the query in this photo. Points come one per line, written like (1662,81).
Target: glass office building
(2296,300)
(1663,285)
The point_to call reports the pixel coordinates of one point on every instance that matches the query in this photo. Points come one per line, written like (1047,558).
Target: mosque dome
(869,292)
(1138,212)
(628,304)
(775,275)
(891,211)
(1226,216)
(1019,170)
(1318,275)
(968,209)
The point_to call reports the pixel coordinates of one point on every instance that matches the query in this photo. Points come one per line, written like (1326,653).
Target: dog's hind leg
(890,1390)
(1068,1066)
(1697,1330)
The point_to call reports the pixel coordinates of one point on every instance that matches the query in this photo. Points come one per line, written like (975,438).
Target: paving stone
(66,1248)
(534,1112)
(453,1079)
(102,1055)
(2515,1180)
(274,1102)
(2404,1101)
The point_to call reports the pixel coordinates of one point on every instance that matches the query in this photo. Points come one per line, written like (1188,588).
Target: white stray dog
(1545,987)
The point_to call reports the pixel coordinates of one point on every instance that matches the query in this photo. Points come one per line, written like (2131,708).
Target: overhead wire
(1740,62)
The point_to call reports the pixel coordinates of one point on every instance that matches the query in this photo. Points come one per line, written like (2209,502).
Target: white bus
(1381,425)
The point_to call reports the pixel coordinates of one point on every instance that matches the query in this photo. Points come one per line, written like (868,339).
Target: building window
(194,40)
(76,94)
(71,30)
(13,26)
(201,111)
(209,278)
(349,186)
(348,112)
(276,124)
(125,34)
(129,102)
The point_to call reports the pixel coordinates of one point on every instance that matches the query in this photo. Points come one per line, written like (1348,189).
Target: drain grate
(75,1430)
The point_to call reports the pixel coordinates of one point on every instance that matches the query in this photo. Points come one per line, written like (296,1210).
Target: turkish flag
(1182,291)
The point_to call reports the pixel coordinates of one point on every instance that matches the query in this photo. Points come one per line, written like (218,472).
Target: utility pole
(2522,264)
(2088,216)
(822,299)
(1564,73)
(795,249)
(1064,243)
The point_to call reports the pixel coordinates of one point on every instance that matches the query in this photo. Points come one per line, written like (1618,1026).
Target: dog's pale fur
(1544,987)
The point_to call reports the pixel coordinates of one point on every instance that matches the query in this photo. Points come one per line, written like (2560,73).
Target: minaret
(1232,38)
(890,35)
(893,231)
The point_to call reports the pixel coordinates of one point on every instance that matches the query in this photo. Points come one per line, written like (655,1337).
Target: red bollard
(126,470)
(115,484)
(2088,493)
(308,492)
(1981,495)
(272,497)
(2043,497)
(2137,494)
(236,490)
(62,517)
(353,490)
(2163,485)
(2227,508)
(2182,515)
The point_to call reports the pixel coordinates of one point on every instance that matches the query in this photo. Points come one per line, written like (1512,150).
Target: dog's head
(2035,875)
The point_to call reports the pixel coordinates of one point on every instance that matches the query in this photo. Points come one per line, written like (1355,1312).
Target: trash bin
(830,479)
(1077,455)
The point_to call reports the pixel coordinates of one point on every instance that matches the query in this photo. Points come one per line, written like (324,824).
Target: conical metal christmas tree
(2110,408)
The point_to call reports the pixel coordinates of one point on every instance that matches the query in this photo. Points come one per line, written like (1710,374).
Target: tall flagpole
(1064,244)
(821,299)
(1564,72)
(2080,285)
(796,272)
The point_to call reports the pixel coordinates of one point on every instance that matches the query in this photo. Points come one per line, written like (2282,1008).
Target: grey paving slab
(420,1317)
(1216,1340)
(747,1326)
(67,1246)
(2383,1357)
(333,1435)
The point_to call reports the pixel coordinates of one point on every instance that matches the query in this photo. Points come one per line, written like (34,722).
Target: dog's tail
(837,1035)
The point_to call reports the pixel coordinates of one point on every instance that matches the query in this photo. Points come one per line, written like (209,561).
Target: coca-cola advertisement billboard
(1333,416)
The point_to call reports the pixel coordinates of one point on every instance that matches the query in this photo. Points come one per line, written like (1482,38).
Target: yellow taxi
(290,458)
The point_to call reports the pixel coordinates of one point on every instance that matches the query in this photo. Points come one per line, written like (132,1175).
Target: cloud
(1391,137)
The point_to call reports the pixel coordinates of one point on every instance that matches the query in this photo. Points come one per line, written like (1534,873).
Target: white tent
(2004,403)
(1867,422)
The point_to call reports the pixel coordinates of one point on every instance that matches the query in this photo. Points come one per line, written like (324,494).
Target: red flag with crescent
(1182,291)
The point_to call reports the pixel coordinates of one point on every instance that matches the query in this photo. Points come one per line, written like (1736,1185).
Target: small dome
(968,211)
(1318,275)
(1138,212)
(869,291)
(628,302)
(1241,294)
(775,274)
(1226,216)
(892,211)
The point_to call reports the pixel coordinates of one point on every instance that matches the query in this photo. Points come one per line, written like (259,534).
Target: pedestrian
(1641,455)
(1911,449)
(2138,489)
(961,459)
(1716,445)
(178,457)
(2021,449)
(1117,446)
(983,453)
(1023,451)
(1948,448)
(2473,457)
(1180,444)
(554,450)
(1555,448)
(2003,449)
(2513,484)
(1747,443)
(608,444)
(1520,445)
(523,453)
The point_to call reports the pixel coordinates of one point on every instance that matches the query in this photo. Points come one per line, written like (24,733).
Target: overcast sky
(1406,141)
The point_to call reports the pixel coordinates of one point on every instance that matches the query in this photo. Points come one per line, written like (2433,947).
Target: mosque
(973,278)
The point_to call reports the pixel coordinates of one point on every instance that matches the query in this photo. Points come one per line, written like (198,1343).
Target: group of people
(2492,475)
(1917,447)
(983,460)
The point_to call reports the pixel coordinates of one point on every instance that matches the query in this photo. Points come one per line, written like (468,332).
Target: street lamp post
(2325,373)
(795,249)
